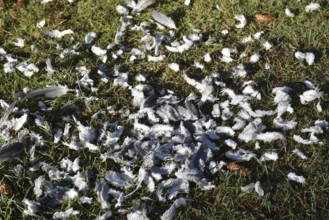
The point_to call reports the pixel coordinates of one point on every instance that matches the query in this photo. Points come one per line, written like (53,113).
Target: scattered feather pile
(166,142)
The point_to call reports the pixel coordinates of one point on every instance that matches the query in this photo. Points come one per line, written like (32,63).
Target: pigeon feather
(10,151)
(48,92)
(163,19)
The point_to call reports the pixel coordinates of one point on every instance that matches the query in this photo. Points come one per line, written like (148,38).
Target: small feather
(163,19)
(8,111)
(10,151)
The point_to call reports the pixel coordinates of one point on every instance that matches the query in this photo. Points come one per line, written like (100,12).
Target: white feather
(20,42)
(242,19)
(38,186)
(248,188)
(41,24)
(300,56)
(312,7)
(57,33)
(254,58)
(19,123)
(300,154)
(269,156)
(66,214)
(269,136)
(98,51)
(27,69)
(207,58)
(267,45)
(174,67)
(259,189)
(32,207)
(309,58)
(310,95)
(299,179)
(289,13)
(301,140)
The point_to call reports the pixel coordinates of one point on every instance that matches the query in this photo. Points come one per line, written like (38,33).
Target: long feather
(163,19)
(48,92)
(10,151)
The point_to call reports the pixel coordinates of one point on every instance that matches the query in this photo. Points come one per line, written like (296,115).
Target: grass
(305,32)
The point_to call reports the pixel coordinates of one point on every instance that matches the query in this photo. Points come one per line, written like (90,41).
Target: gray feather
(48,92)
(10,151)
(163,19)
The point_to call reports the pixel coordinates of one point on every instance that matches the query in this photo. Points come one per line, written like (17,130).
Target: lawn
(132,138)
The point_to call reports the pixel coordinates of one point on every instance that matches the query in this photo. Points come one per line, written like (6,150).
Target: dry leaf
(261,17)
(5,188)
(20,4)
(236,167)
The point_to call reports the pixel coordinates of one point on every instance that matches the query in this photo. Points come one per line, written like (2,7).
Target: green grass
(305,32)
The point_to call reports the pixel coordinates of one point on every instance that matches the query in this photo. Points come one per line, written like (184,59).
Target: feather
(289,13)
(301,140)
(38,186)
(105,216)
(309,58)
(50,70)
(174,67)
(8,111)
(171,212)
(300,154)
(310,95)
(102,189)
(19,122)
(57,33)
(299,179)
(269,136)
(98,51)
(138,215)
(259,189)
(242,19)
(207,58)
(118,179)
(141,5)
(10,151)
(89,38)
(248,188)
(32,207)
(41,24)
(163,19)
(27,69)
(254,58)
(312,7)
(269,156)
(240,155)
(48,92)
(64,215)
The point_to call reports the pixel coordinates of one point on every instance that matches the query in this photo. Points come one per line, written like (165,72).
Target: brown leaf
(262,17)
(5,188)
(20,4)
(236,167)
